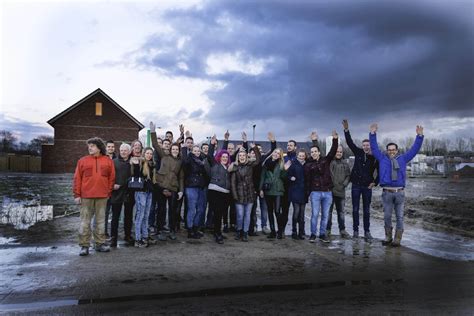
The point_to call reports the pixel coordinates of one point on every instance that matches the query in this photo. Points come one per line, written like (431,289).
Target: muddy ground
(41,272)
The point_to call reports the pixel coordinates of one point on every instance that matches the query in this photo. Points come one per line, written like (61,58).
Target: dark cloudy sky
(296,66)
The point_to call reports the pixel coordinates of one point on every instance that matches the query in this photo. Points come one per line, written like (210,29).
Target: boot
(388,236)
(398,238)
(196,234)
(237,235)
(245,237)
(113,242)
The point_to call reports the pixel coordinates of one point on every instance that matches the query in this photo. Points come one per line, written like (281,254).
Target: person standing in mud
(169,179)
(243,191)
(272,188)
(318,186)
(219,187)
(340,175)
(296,193)
(142,171)
(121,196)
(196,173)
(363,180)
(94,179)
(110,149)
(392,179)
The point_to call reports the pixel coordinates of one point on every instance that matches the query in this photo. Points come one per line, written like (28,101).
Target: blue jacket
(296,193)
(385,165)
(364,165)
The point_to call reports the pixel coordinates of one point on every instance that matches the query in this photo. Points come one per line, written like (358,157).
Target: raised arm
(314,138)
(154,141)
(332,152)
(409,155)
(348,137)
(374,147)
(225,143)
(258,156)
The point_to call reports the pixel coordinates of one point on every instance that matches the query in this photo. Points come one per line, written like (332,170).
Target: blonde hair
(282,160)
(145,166)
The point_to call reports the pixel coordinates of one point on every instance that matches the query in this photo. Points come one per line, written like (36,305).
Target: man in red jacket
(93,183)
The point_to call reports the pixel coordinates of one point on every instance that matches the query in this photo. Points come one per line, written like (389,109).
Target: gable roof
(75,105)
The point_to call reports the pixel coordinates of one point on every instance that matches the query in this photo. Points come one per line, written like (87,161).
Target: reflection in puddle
(24,215)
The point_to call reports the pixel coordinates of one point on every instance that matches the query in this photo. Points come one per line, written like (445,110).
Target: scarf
(395,168)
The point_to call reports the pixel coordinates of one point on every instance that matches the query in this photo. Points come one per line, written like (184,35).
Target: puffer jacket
(276,179)
(196,170)
(242,186)
(316,172)
(340,175)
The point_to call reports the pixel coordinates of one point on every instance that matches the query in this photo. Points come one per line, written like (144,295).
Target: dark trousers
(127,221)
(298,217)
(340,203)
(253,217)
(108,207)
(152,219)
(366,193)
(161,209)
(285,210)
(273,206)
(173,213)
(230,215)
(218,204)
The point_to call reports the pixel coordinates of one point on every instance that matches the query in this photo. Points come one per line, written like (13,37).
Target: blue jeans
(142,205)
(366,193)
(320,201)
(196,206)
(263,211)
(391,201)
(243,216)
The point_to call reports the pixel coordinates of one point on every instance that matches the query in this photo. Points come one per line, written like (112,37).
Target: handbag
(136,183)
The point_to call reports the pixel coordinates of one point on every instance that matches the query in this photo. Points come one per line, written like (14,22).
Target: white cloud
(222,63)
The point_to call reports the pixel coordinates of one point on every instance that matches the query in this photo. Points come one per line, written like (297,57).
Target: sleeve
(273,146)
(332,151)
(233,184)
(210,155)
(283,174)
(246,146)
(225,144)
(374,147)
(315,142)
(111,177)
(409,155)
(156,146)
(307,179)
(258,157)
(184,155)
(77,180)
(181,179)
(347,178)
(262,178)
(350,142)
(376,169)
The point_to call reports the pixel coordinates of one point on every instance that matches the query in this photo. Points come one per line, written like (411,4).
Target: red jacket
(94,177)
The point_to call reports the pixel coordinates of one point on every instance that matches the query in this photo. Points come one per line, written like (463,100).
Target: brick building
(95,115)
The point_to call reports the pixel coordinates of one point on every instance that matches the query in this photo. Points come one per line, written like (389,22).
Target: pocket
(88,172)
(105,171)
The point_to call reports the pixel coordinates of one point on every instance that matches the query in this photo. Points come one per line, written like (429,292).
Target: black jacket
(122,174)
(364,165)
(196,170)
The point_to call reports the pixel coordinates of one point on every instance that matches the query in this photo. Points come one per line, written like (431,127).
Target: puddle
(198,293)
(23,215)
(33,256)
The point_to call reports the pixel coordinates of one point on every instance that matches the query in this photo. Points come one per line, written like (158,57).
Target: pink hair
(219,155)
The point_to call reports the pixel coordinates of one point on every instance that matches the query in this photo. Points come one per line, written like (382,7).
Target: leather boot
(388,236)
(398,238)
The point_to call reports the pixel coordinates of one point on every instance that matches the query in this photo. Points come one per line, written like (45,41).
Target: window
(98,109)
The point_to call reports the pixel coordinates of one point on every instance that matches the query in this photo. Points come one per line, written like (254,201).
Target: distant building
(96,115)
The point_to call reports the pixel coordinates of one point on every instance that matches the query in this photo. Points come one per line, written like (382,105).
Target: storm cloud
(304,64)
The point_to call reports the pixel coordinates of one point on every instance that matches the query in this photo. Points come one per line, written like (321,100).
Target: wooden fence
(20,163)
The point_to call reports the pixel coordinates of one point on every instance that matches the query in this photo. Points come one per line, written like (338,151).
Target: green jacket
(276,180)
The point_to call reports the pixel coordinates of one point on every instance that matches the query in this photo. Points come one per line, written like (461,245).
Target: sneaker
(237,235)
(245,237)
(102,248)
(129,240)
(166,229)
(137,244)
(151,241)
(265,230)
(294,236)
(345,234)
(84,251)
(301,237)
(172,236)
(219,239)
(368,237)
(113,242)
(355,235)
(328,233)
(312,238)
(226,229)
(279,235)
(272,235)
(233,228)
(162,236)
(324,238)
(253,234)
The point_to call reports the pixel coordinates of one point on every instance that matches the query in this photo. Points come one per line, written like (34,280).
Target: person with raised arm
(393,167)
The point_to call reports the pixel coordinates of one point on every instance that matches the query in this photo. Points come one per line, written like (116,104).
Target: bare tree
(7,141)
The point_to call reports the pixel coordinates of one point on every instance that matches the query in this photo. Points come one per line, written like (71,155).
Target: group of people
(229,183)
